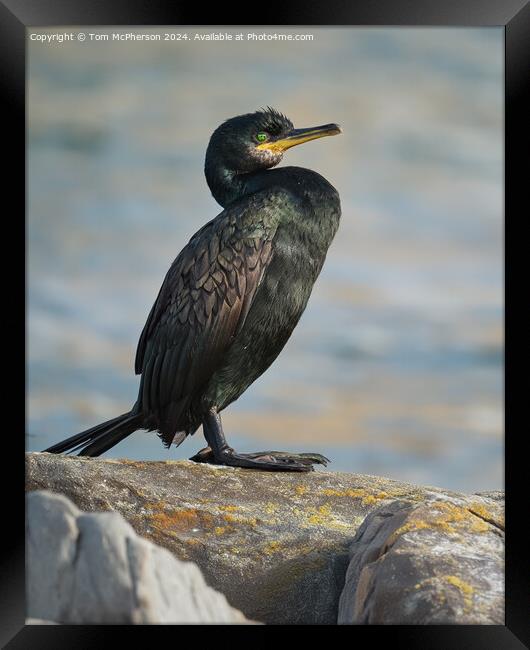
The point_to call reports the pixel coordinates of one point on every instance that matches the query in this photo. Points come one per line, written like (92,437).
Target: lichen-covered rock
(439,562)
(93,568)
(276,544)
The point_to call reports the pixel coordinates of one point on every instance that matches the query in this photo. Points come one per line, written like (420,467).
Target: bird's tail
(100,438)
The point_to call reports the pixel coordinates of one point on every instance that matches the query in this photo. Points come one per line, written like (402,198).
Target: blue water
(396,367)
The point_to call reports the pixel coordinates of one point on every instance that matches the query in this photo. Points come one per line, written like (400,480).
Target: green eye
(261,137)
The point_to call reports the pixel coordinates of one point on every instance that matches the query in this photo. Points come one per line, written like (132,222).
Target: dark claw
(204,456)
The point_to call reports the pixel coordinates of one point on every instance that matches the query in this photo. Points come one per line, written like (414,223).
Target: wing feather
(202,304)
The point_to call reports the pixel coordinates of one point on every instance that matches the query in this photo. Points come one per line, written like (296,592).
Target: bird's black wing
(202,304)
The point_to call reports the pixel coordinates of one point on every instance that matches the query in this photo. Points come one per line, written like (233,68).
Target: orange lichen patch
(250,521)
(484,513)
(220,530)
(479,526)
(240,519)
(271,547)
(437,592)
(411,526)
(374,498)
(301,489)
(367,498)
(183,520)
(465,589)
(322,516)
(343,493)
(445,517)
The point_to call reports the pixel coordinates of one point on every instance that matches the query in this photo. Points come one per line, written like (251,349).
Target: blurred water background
(396,366)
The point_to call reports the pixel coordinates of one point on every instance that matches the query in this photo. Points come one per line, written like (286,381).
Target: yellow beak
(299,136)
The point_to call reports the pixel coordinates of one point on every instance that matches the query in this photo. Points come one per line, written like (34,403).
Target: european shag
(233,296)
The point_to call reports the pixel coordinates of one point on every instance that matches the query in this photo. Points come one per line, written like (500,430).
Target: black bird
(234,294)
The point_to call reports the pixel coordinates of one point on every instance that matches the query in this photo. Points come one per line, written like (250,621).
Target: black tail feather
(100,438)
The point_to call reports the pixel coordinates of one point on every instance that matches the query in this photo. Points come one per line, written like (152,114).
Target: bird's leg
(220,453)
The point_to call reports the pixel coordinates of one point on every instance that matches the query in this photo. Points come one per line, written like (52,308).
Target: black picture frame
(15,17)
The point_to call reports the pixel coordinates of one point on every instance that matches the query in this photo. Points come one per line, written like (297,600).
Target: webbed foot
(219,452)
(276,461)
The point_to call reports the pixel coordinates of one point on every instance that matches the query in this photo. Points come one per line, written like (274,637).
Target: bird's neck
(228,186)
(225,184)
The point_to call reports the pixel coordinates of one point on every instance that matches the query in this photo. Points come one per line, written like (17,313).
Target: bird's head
(255,141)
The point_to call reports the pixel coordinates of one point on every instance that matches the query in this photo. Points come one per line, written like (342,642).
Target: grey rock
(276,544)
(439,562)
(494,495)
(93,568)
